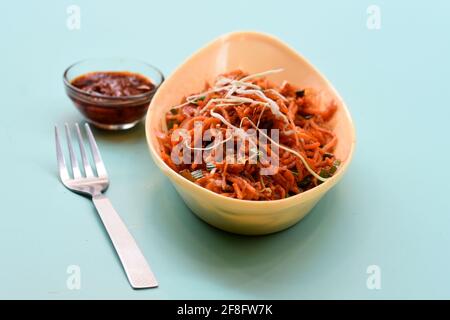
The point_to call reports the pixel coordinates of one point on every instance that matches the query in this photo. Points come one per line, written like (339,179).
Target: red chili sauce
(113,83)
(113,97)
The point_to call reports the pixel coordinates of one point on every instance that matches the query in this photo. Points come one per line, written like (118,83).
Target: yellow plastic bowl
(251,52)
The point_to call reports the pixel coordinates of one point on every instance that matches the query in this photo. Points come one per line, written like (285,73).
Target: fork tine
(73,158)
(99,165)
(63,173)
(87,167)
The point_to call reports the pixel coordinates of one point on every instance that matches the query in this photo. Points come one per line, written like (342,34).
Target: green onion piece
(210,166)
(324,173)
(171,123)
(195,101)
(197,174)
(332,170)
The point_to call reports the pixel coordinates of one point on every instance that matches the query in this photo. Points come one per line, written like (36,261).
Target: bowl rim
(145,95)
(254,203)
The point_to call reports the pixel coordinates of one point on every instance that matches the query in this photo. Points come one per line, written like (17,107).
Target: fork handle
(133,261)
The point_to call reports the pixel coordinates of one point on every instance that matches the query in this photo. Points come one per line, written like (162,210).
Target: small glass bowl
(107,112)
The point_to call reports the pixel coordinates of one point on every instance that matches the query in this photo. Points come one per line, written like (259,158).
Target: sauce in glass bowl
(113,83)
(112,94)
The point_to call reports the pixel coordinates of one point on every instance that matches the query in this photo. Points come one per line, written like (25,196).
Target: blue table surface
(390,210)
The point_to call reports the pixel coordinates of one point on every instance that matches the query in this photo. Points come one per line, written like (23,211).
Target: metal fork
(93,185)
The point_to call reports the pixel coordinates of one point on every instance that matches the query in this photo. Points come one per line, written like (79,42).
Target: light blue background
(391,209)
